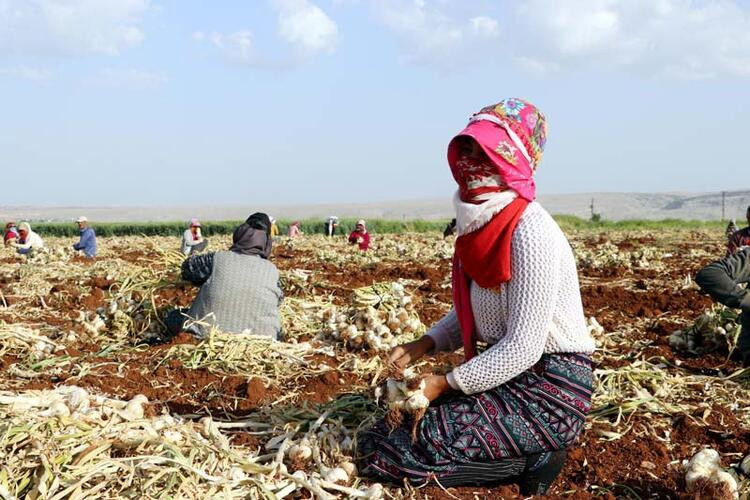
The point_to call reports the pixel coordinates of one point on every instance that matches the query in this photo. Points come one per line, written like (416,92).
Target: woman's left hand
(435,386)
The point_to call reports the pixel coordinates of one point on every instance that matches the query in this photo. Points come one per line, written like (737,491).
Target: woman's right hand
(402,355)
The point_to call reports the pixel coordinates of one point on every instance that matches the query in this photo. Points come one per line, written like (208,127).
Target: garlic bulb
(745,465)
(336,475)
(301,452)
(705,465)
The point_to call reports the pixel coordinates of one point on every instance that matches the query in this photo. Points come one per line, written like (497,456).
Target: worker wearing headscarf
(360,236)
(11,233)
(331,224)
(512,410)
(28,240)
(192,239)
(294,230)
(240,290)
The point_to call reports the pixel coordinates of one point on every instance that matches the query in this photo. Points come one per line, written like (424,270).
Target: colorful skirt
(474,439)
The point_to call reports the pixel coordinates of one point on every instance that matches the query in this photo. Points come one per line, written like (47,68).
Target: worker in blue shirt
(87,243)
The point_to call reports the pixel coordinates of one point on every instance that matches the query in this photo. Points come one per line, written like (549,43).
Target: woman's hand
(403,355)
(435,386)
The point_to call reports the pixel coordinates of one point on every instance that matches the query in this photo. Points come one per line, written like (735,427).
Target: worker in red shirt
(360,236)
(740,238)
(11,233)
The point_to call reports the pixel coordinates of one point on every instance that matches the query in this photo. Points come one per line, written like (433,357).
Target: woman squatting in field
(507,413)
(360,236)
(240,289)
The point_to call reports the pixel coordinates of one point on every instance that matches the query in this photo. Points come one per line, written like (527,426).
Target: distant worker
(274,228)
(192,239)
(294,230)
(450,229)
(87,241)
(11,233)
(723,280)
(740,238)
(332,223)
(360,236)
(240,289)
(28,240)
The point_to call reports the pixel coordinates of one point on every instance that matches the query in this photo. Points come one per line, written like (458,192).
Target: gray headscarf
(253,237)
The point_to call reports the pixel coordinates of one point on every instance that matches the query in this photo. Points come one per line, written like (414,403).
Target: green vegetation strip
(382,226)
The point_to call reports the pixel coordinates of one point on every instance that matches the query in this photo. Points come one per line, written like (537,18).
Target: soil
(648,304)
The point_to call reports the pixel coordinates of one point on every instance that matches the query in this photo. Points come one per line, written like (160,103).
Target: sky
(160,102)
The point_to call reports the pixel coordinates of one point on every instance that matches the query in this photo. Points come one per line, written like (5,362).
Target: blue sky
(133,102)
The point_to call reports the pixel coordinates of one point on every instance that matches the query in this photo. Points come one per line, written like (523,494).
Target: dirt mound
(94,300)
(643,303)
(100,282)
(720,430)
(639,463)
(179,295)
(183,390)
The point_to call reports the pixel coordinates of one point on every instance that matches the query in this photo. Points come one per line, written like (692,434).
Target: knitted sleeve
(446,333)
(197,269)
(532,292)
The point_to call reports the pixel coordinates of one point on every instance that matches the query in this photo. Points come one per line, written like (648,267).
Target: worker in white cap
(192,239)
(87,241)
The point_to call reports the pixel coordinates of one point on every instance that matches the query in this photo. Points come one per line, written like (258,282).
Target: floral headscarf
(512,134)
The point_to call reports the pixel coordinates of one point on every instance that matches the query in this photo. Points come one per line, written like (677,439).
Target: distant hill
(612,206)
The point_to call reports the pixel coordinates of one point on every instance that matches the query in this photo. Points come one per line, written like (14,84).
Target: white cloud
(301,25)
(129,79)
(484,26)
(26,73)
(236,47)
(432,33)
(679,38)
(70,27)
(674,38)
(306,26)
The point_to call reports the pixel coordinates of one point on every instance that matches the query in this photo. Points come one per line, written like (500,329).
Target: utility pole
(592,208)
(723,204)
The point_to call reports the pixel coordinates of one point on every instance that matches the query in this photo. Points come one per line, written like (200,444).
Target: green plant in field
(377,226)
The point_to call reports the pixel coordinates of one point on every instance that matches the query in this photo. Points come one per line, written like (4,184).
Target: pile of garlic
(119,318)
(22,341)
(48,255)
(382,296)
(608,254)
(712,331)
(704,471)
(404,395)
(73,401)
(324,443)
(376,322)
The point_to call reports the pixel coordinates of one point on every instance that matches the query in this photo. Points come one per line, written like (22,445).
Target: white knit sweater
(538,311)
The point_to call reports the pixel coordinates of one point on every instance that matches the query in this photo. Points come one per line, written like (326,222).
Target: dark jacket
(725,279)
(726,282)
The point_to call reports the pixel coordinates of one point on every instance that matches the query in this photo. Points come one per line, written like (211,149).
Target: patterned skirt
(487,436)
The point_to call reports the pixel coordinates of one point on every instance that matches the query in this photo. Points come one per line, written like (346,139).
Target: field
(66,321)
